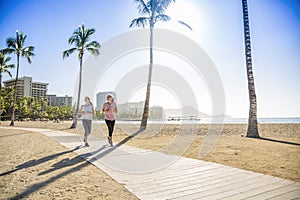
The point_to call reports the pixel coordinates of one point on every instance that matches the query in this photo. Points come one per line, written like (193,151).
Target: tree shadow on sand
(9,135)
(81,158)
(278,141)
(73,161)
(35,162)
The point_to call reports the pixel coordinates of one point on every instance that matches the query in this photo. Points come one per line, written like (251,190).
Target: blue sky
(217,24)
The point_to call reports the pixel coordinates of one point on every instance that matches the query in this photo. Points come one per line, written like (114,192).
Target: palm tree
(16,46)
(252,120)
(81,40)
(4,68)
(7,99)
(152,11)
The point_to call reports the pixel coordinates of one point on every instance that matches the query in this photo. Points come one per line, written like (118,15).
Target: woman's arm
(80,110)
(116,108)
(104,107)
(93,110)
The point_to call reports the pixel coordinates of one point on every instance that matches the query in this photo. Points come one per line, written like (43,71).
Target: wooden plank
(218,173)
(196,181)
(249,185)
(163,173)
(275,192)
(218,187)
(179,176)
(295,194)
(259,190)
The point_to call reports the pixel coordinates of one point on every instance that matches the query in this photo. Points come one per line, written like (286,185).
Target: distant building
(134,111)
(156,113)
(26,87)
(131,110)
(54,100)
(101,98)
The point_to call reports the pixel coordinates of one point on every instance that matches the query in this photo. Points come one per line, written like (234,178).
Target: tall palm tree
(81,41)
(4,68)
(152,11)
(16,46)
(252,120)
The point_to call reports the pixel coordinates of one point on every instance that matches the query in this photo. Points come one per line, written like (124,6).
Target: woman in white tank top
(86,111)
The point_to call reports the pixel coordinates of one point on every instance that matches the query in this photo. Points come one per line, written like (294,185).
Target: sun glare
(184,11)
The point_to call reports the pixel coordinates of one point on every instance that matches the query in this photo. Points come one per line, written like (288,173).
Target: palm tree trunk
(147,101)
(74,124)
(252,120)
(0,97)
(15,93)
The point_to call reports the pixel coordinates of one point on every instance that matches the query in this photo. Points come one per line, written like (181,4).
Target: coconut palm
(81,41)
(17,46)
(152,11)
(252,121)
(6,100)
(4,68)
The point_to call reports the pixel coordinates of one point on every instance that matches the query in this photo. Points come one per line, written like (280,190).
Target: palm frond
(159,6)
(11,43)
(93,51)
(166,3)
(4,67)
(7,51)
(6,59)
(90,32)
(162,17)
(74,39)
(11,66)
(138,22)
(29,60)
(21,40)
(8,72)
(27,54)
(29,49)
(142,7)
(185,24)
(68,52)
(93,44)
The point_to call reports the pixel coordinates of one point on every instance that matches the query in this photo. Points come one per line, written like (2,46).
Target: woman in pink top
(110,109)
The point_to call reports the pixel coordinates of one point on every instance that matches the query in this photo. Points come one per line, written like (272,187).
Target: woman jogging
(86,111)
(110,109)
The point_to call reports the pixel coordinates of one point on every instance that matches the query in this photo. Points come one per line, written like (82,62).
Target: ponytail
(89,99)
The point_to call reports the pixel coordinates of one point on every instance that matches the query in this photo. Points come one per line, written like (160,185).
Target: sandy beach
(34,166)
(278,155)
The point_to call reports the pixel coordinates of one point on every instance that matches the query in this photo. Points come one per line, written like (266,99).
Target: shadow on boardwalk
(64,163)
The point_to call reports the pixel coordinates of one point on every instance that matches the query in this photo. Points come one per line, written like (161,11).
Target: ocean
(291,120)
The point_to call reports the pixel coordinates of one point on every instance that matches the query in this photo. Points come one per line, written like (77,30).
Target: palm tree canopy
(4,67)
(81,40)
(153,11)
(16,46)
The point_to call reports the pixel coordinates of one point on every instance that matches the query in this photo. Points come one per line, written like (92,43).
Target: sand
(280,156)
(35,167)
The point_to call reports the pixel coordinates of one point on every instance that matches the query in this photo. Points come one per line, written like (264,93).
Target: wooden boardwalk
(142,173)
